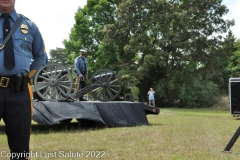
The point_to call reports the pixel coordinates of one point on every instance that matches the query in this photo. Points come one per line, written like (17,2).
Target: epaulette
(24,16)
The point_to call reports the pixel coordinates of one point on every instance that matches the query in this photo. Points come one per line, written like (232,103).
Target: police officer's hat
(83,50)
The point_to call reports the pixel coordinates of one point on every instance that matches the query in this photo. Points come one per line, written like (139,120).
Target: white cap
(82,50)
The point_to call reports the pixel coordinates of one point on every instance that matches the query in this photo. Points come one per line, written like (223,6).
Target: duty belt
(5,81)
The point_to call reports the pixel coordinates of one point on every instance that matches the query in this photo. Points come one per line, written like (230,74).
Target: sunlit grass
(174,134)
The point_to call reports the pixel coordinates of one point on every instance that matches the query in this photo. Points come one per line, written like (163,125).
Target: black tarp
(106,113)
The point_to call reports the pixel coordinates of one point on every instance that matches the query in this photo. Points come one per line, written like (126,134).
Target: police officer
(81,67)
(15,101)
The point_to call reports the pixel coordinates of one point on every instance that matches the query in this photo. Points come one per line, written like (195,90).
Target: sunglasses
(83,54)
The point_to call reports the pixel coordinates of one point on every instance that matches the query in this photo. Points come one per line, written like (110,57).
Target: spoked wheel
(53,82)
(105,85)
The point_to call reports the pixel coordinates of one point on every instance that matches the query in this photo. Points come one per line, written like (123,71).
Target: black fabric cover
(235,97)
(106,113)
(53,112)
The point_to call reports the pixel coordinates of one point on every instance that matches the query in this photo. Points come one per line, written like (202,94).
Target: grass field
(174,134)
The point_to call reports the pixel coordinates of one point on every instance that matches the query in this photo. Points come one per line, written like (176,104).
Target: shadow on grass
(156,124)
(71,127)
(68,127)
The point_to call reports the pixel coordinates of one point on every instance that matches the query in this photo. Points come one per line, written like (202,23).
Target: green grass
(174,134)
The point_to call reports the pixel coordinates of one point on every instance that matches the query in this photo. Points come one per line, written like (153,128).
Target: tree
(58,56)
(86,34)
(173,46)
(179,41)
(234,64)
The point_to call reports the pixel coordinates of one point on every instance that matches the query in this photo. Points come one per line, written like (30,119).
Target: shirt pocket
(23,44)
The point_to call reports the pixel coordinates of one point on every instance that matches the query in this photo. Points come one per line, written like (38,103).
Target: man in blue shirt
(81,67)
(15,100)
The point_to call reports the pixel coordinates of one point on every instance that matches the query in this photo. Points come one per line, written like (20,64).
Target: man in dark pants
(81,65)
(25,44)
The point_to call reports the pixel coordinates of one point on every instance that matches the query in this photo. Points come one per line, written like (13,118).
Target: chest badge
(24,28)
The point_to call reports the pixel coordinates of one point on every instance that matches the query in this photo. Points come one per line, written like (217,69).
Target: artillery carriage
(55,82)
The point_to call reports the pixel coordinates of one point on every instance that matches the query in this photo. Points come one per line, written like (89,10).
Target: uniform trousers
(16,113)
(82,84)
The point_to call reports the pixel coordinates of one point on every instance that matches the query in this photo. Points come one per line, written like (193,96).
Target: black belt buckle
(4,82)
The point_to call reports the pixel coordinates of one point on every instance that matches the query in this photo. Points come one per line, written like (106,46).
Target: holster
(25,81)
(20,82)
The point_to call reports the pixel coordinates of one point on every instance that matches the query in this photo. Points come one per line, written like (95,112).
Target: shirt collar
(12,14)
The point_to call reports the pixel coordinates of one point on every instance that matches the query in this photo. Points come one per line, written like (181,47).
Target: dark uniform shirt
(28,45)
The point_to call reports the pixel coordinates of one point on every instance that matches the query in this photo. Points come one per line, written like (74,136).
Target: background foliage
(183,49)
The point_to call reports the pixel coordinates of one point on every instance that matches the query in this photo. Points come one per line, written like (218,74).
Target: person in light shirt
(151,99)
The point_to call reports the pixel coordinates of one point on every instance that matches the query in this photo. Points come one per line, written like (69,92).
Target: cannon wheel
(53,82)
(105,85)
